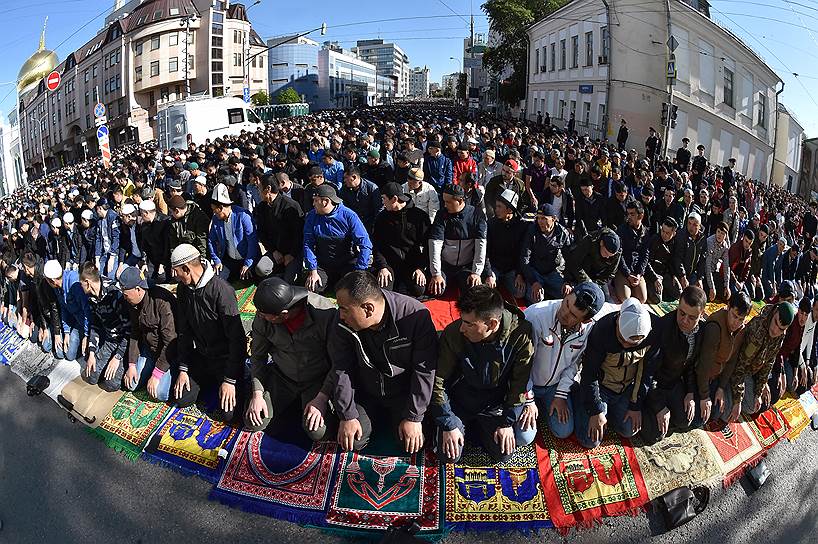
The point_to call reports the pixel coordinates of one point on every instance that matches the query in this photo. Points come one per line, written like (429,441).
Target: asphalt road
(59,485)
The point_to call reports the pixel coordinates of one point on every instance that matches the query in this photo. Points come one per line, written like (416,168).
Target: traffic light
(665,109)
(673,114)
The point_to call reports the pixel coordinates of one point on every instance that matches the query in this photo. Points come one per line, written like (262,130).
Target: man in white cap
(89,234)
(106,251)
(616,373)
(211,340)
(55,244)
(232,241)
(424,196)
(72,238)
(155,239)
(130,239)
(71,332)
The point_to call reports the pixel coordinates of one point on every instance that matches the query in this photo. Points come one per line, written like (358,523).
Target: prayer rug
(583,486)
(712,307)
(677,461)
(30,361)
(376,492)
(131,423)
(769,427)
(11,344)
(89,404)
(734,447)
(444,311)
(192,443)
(283,480)
(809,403)
(244,298)
(484,496)
(664,308)
(62,373)
(794,414)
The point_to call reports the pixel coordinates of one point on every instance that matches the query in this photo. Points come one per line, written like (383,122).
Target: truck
(196,119)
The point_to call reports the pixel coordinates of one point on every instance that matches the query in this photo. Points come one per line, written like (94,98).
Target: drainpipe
(610,67)
(666,129)
(775,132)
(527,73)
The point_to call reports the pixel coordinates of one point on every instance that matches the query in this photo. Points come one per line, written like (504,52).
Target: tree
(509,19)
(261,98)
(288,96)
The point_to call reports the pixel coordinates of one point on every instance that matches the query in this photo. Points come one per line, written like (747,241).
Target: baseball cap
(374,154)
(274,295)
(193,166)
(611,241)
(490,153)
(326,190)
(176,202)
(392,190)
(454,190)
(175,184)
(511,163)
(184,253)
(634,321)
(131,278)
(591,294)
(548,210)
(315,171)
(52,269)
(787,288)
(786,312)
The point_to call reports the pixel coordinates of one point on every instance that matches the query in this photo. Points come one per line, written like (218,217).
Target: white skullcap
(68,217)
(128,209)
(87,215)
(147,206)
(56,223)
(52,269)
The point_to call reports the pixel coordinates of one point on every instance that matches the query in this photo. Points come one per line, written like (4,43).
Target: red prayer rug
(376,492)
(444,311)
(735,448)
(278,479)
(768,427)
(583,486)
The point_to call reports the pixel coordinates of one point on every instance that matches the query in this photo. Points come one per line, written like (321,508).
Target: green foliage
(288,96)
(510,18)
(261,98)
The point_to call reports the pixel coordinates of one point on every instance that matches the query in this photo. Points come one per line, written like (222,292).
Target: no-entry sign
(53,81)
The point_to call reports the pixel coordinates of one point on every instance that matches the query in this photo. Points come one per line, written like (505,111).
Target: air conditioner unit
(602,60)
(543,68)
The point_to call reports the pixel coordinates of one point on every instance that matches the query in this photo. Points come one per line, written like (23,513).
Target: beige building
(139,61)
(789,135)
(608,65)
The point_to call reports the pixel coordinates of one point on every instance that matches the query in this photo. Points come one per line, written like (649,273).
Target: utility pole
(670,80)
(186,22)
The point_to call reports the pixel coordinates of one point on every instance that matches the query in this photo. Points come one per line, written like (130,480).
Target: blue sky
(776,29)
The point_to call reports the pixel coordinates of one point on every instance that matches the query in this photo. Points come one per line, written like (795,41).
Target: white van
(197,118)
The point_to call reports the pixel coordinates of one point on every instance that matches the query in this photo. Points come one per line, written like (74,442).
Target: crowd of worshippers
(385,209)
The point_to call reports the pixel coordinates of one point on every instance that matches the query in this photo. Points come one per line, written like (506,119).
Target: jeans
(11,317)
(615,407)
(103,357)
(144,368)
(72,340)
(104,260)
(46,344)
(485,427)
(544,396)
(505,280)
(551,284)
(746,403)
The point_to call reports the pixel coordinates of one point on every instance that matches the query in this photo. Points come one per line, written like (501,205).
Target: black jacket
(505,245)
(155,240)
(660,256)
(567,208)
(689,256)
(584,261)
(614,211)
(110,318)
(672,363)
(73,244)
(588,213)
(191,229)
(635,248)
(400,239)
(280,225)
(411,354)
(544,253)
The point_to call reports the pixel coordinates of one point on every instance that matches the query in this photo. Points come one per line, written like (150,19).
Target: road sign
(53,81)
(102,132)
(586,89)
(671,69)
(99,110)
(104,145)
(100,120)
(247,94)
(672,44)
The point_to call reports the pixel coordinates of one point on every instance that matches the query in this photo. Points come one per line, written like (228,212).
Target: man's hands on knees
(348,432)
(314,412)
(257,409)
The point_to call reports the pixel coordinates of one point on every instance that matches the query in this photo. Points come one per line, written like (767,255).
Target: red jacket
(460,166)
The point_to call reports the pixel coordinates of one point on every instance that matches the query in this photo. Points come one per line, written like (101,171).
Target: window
(173,11)
(573,107)
(261,61)
(151,99)
(173,64)
(94,71)
(537,61)
(190,64)
(173,38)
(553,56)
(235,115)
(164,92)
(218,79)
(728,87)
(138,74)
(589,49)
(155,42)
(154,68)
(574,51)
(218,17)
(107,86)
(605,39)
(762,110)
(217,53)
(236,59)
(586,113)
(562,109)
(218,29)
(562,54)
(253,62)
(87,98)
(215,41)
(191,37)
(138,50)
(86,76)
(87,121)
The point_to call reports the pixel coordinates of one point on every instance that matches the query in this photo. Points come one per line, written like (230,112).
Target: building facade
(344,80)
(726,95)
(449,83)
(809,169)
(419,82)
(389,60)
(789,137)
(293,62)
(139,61)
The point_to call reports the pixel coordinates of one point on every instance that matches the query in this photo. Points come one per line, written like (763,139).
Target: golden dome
(38,66)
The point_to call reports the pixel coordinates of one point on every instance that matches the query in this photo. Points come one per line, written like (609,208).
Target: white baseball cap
(634,320)
(52,269)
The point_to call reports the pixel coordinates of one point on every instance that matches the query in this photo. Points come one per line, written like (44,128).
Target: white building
(15,169)
(449,82)
(419,82)
(789,137)
(344,80)
(389,60)
(726,95)
(808,183)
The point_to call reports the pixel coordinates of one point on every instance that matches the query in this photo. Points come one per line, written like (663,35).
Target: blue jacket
(772,265)
(336,239)
(73,303)
(315,156)
(365,201)
(334,173)
(437,170)
(110,225)
(244,232)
